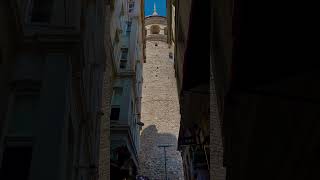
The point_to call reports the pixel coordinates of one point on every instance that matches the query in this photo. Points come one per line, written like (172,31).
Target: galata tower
(160,106)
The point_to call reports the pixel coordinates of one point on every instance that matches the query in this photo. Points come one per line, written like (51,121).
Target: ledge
(155,20)
(156,37)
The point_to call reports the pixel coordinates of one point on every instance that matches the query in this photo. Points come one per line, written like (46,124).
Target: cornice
(155,20)
(156,37)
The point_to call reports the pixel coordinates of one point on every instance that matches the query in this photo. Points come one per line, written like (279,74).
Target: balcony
(156,37)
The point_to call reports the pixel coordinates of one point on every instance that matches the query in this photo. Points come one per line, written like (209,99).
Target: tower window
(41,11)
(155,29)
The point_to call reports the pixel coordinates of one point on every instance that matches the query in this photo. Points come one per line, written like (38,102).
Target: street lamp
(165,158)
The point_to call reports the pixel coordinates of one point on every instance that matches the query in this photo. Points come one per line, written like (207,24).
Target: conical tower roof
(154,10)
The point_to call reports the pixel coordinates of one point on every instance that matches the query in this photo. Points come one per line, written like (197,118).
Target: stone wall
(104,160)
(107,91)
(217,171)
(160,114)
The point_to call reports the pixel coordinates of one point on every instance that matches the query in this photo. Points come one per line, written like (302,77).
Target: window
(41,11)
(115,113)
(117,91)
(131,6)
(124,53)
(124,56)
(123,64)
(16,160)
(129,23)
(155,29)
(116,97)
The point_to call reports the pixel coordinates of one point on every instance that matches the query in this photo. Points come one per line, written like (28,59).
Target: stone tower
(160,105)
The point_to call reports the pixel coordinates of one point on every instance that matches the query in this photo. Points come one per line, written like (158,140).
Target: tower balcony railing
(156,37)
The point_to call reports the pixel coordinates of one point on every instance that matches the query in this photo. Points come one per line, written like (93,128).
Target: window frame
(114,90)
(115,107)
(123,58)
(124,52)
(128,28)
(131,9)
(116,97)
(123,64)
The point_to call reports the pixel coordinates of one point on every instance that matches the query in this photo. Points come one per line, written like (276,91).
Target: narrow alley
(158,90)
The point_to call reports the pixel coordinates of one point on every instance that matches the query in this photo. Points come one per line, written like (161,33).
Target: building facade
(127,43)
(192,68)
(54,71)
(160,106)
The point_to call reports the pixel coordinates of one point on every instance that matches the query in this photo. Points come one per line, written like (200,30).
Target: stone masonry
(217,171)
(160,113)
(104,160)
(107,90)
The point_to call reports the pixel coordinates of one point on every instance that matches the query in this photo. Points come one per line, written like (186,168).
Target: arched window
(155,29)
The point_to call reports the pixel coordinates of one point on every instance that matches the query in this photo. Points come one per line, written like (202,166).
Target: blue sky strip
(160,4)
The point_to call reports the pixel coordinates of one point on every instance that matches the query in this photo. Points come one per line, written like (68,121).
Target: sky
(160,5)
